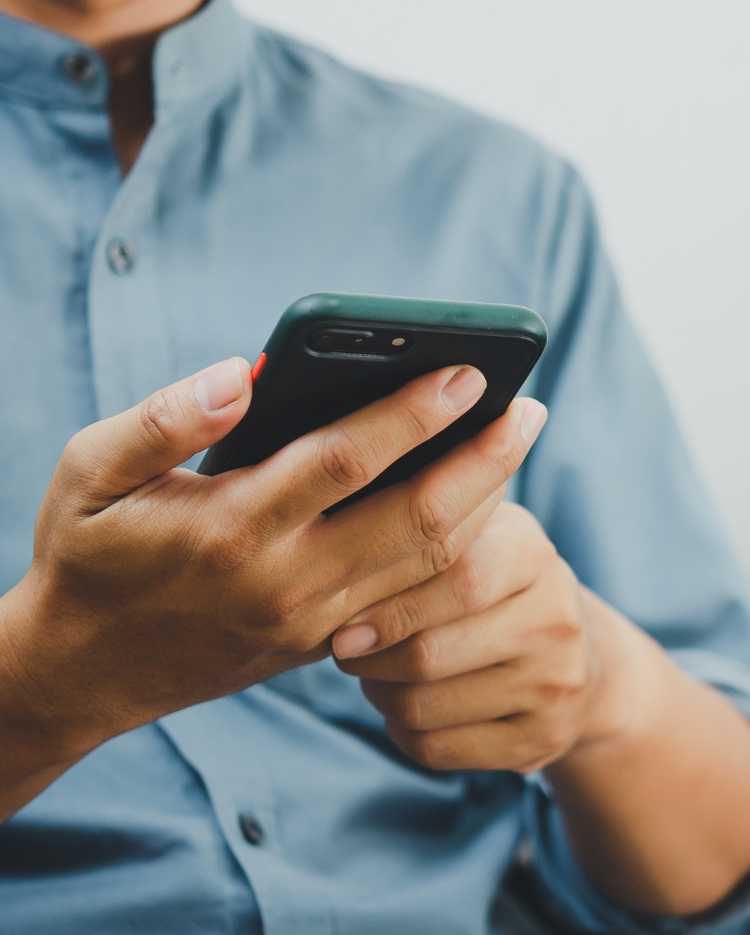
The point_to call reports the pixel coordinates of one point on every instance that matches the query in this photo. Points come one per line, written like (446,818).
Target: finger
(496,564)
(328,465)
(470,698)
(427,565)
(407,518)
(108,459)
(509,630)
(517,743)
(346,602)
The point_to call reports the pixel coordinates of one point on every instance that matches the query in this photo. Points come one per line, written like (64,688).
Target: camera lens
(340,341)
(321,341)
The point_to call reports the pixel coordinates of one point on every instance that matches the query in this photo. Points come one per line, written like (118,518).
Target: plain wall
(652,101)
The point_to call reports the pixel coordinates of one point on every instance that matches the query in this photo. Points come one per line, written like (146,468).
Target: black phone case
(300,390)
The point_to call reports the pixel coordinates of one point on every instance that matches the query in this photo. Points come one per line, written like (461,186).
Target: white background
(652,101)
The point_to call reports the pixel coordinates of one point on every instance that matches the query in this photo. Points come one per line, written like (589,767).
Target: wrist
(40,722)
(627,695)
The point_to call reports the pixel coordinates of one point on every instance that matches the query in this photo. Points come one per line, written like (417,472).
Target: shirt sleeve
(578,901)
(615,487)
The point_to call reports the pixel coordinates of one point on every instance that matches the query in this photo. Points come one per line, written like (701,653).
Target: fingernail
(222,384)
(533,417)
(353,641)
(464,388)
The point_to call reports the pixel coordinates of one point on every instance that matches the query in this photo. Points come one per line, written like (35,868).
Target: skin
(505,662)
(124,33)
(133,556)
(480,647)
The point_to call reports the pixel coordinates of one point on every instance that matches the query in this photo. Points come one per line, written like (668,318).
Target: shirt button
(252,830)
(120,256)
(80,68)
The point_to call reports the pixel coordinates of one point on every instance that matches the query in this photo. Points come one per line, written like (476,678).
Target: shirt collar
(191,59)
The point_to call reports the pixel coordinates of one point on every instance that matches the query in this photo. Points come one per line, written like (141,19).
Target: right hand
(153,588)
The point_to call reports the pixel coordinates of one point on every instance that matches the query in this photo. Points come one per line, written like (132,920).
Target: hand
(492,664)
(153,588)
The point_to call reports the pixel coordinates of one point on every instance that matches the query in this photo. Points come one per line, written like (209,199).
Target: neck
(106,25)
(124,33)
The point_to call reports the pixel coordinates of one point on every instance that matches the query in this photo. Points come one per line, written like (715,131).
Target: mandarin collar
(194,58)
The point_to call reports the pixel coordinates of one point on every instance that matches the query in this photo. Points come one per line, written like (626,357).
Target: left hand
(493,664)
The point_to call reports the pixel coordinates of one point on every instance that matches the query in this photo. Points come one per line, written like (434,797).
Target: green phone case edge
(479,316)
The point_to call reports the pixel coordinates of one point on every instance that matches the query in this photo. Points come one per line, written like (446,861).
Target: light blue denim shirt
(274,171)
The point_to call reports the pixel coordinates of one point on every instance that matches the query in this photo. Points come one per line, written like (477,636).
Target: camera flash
(398,342)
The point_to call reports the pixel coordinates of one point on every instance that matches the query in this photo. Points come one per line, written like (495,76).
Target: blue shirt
(274,171)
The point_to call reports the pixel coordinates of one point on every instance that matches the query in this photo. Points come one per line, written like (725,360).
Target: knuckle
(222,551)
(222,554)
(417,422)
(342,461)
(469,586)
(73,456)
(525,750)
(542,552)
(568,618)
(508,457)
(422,659)
(408,709)
(403,618)
(285,605)
(576,677)
(545,549)
(429,517)
(160,417)
(440,556)
(429,751)
(554,739)
(506,454)
(79,460)
(565,629)
(552,694)
(69,558)
(578,683)
(81,467)
(546,747)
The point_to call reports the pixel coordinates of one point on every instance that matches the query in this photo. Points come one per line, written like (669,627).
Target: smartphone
(331,354)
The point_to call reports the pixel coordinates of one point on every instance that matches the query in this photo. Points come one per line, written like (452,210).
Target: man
(181,753)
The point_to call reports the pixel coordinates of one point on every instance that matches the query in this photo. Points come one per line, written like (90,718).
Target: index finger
(318,470)
(407,518)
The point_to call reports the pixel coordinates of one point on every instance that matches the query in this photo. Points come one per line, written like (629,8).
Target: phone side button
(258,366)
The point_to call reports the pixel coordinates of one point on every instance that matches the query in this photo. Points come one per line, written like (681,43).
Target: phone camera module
(340,341)
(381,343)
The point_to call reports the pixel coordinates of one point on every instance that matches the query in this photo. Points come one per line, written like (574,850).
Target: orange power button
(258,366)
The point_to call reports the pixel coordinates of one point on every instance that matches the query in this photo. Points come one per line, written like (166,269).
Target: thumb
(112,457)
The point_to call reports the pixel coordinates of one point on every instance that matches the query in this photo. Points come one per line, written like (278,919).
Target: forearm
(36,748)
(657,814)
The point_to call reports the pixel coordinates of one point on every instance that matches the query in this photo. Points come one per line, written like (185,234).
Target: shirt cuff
(571,892)
(577,900)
